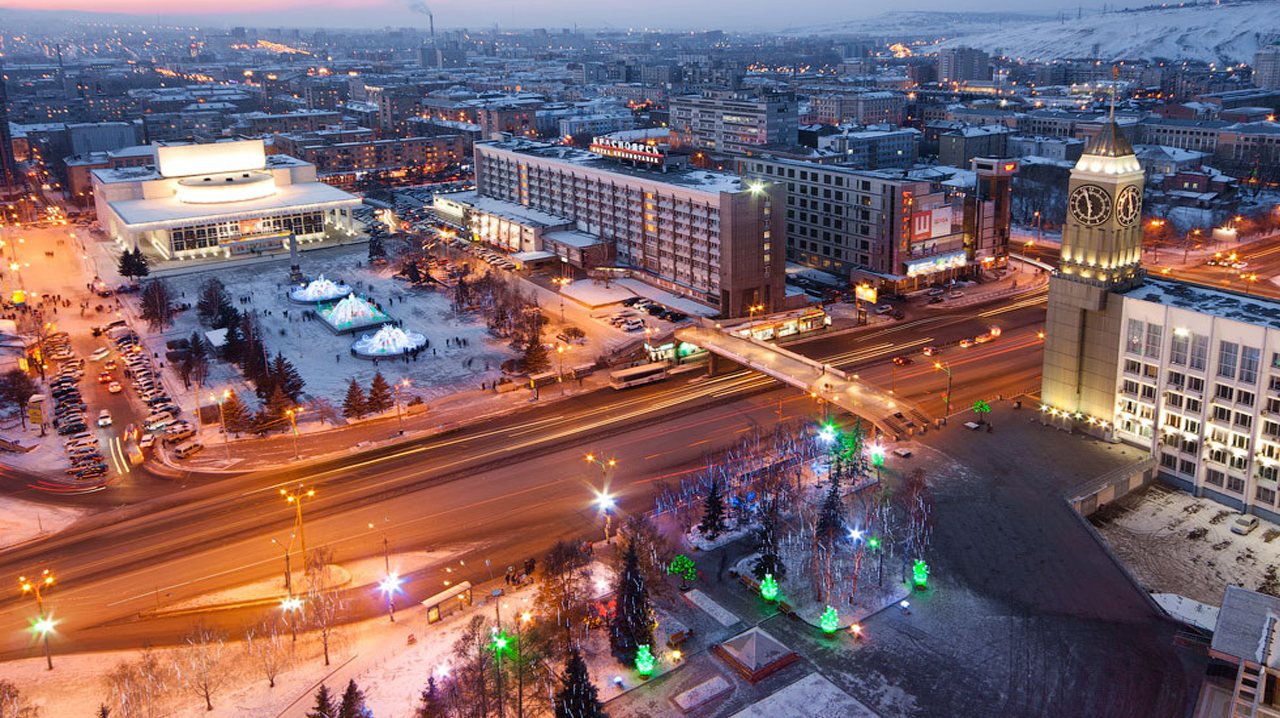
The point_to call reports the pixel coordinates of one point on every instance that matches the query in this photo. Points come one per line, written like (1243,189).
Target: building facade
(219,200)
(735,123)
(705,235)
(963,64)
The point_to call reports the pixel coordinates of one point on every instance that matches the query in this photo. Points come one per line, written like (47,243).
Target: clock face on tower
(1129,206)
(1090,205)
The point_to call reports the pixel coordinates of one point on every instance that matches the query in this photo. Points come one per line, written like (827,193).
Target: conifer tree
(353,703)
(213,302)
(354,406)
(831,515)
(379,399)
(713,523)
(769,562)
(431,704)
(577,697)
(632,624)
(324,707)
(286,378)
(535,357)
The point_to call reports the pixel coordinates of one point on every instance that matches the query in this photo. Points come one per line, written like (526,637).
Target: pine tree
(412,273)
(713,524)
(353,703)
(141,267)
(133,264)
(213,302)
(577,697)
(324,705)
(831,516)
(632,624)
(286,378)
(431,704)
(157,305)
(379,399)
(376,250)
(355,406)
(236,415)
(769,562)
(277,404)
(535,357)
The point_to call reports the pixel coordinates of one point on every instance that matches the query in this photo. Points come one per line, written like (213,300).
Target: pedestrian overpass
(887,412)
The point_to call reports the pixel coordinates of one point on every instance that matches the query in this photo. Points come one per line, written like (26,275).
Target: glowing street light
(827,433)
(296,498)
(43,626)
(222,418)
(390,586)
(944,366)
(606,503)
(288,604)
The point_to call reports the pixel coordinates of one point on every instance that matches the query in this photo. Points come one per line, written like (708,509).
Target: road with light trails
(501,490)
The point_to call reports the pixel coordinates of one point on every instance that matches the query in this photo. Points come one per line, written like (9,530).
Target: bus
(637,375)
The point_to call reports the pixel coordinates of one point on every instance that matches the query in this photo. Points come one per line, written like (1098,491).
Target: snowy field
(22,521)
(1177,543)
(324,359)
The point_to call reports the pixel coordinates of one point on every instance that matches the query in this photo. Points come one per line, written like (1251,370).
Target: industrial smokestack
(420,7)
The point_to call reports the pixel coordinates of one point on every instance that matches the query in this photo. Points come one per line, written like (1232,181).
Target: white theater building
(219,200)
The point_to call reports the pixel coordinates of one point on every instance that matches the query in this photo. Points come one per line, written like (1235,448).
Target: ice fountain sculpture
(352,311)
(390,340)
(319,290)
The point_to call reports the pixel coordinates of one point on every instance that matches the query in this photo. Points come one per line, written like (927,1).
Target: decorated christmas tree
(769,587)
(644,660)
(830,620)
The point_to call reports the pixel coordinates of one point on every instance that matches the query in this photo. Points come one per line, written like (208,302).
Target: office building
(1266,68)
(963,64)
(219,200)
(10,180)
(705,235)
(735,123)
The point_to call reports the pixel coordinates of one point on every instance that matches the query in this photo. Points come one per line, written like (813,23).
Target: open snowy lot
(322,357)
(1177,543)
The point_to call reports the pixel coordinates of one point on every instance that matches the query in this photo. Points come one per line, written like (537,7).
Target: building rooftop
(695,179)
(1207,300)
(508,210)
(1247,626)
(1109,142)
(294,197)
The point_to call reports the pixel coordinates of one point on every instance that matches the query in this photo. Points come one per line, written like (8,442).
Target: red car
(104,378)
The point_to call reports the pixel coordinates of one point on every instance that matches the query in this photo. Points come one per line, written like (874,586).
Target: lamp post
(296,498)
(399,415)
(390,582)
(290,603)
(947,368)
(560,361)
(560,283)
(293,422)
(222,419)
(43,625)
(751,318)
(606,504)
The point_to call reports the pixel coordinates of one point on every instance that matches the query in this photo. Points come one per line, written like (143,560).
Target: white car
(100,353)
(1244,524)
(146,441)
(104,418)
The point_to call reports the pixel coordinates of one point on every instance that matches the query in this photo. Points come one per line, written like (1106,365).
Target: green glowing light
(920,573)
(873,542)
(830,620)
(877,456)
(769,587)
(644,660)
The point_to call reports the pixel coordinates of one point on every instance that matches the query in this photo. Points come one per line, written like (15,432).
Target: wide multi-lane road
(500,490)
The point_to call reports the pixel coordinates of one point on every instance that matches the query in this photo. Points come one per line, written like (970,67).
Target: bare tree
(13,704)
(325,608)
(563,593)
(476,667)
(138,688)
(268,650)
(201,665)
(157,304)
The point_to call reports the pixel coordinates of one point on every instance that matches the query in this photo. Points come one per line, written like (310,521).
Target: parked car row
(146,382)
(497,259)
(86,461)
(655,309)
(627,321)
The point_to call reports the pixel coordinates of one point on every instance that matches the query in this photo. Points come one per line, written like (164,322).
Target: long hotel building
(709,236)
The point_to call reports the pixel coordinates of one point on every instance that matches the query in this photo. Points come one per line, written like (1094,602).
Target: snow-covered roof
(1249,309)
(1247,627)
(140,213)
(527,216)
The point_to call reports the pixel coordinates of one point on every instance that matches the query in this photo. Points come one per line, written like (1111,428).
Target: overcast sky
(728,14)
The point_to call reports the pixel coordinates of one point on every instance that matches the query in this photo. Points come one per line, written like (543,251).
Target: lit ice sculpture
(390,340)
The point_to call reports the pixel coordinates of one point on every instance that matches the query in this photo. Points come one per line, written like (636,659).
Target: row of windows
(1192,350)
(209,235)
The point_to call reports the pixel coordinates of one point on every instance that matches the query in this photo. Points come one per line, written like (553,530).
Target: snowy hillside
(1227,33)
(911,25)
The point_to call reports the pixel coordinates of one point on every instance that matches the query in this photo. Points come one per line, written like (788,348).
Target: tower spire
(1115,76)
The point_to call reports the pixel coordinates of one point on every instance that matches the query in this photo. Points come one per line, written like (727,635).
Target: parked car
(1244,524)
(187,450)
(884,309)
(104,418)
(146,441)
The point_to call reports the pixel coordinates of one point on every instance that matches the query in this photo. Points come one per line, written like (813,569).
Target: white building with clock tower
(1190,373)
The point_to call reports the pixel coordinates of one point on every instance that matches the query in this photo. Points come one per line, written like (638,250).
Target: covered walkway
(889,413)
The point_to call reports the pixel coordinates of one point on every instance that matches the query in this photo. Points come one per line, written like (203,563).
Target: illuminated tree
(769,588)
(713,522)
(644,660)
(632,624)
(577,697)
(830,620)
(683,567)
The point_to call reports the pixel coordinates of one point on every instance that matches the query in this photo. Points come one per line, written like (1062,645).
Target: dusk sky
(515,13)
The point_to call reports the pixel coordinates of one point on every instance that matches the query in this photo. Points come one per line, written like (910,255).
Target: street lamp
(561,283)
(222,419)
(288,604)
(944,366)
(751,318)
(390,582)
(293,422)
(606,503)
(296,498)
(399,416)
(44,625)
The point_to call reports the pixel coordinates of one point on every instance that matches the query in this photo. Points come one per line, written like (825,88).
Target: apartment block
(735,123)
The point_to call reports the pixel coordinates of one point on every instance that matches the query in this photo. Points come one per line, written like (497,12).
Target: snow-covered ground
(323,358)
(1177,543)
(1210,32)
(22,521)
(810,697)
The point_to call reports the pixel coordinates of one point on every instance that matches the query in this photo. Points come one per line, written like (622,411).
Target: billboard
(930,223)
(866,293)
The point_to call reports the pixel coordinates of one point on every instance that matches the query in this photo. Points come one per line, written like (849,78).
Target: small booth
(451,599)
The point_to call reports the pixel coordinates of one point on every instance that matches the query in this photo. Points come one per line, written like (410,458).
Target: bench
(677,639)
(748,581)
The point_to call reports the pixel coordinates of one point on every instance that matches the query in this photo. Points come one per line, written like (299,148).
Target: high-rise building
(1266,67)
(10,180)
(735,123)
(1101,255)
(963,64)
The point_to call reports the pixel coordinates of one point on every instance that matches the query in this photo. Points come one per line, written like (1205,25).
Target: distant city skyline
(673,14)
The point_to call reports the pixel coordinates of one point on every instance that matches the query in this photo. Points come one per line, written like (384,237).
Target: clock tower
(1101,255)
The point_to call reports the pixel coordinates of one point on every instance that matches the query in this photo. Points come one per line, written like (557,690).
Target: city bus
(637,375)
